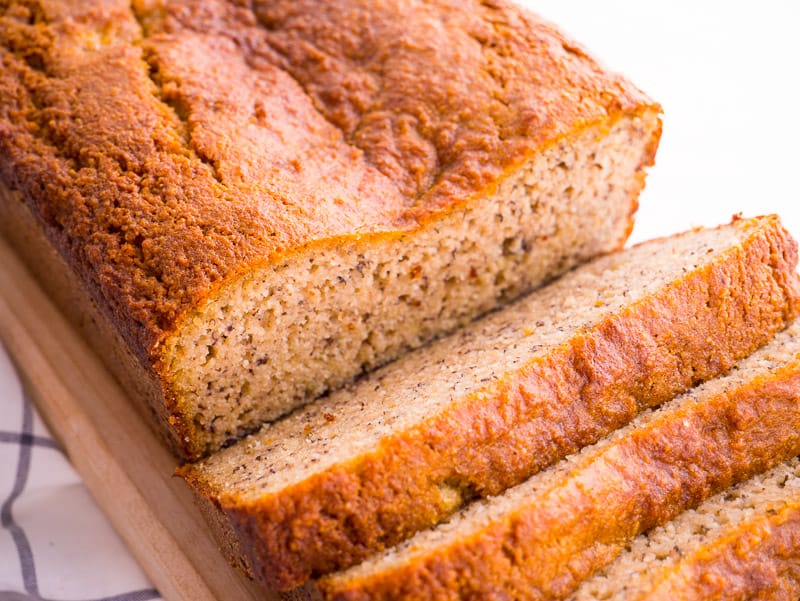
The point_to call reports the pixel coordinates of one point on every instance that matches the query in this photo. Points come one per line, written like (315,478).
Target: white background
(728,77)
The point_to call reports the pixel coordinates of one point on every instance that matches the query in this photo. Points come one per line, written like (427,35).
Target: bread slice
(259,215)
(539,540)
(482,410)
(742,544)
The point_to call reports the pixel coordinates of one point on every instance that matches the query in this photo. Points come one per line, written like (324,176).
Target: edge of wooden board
(123,463)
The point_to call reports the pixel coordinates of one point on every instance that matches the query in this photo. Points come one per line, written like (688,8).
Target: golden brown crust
(25,233)
(108,139)
(598,381)
(545,549)
(758,561)
(442,98)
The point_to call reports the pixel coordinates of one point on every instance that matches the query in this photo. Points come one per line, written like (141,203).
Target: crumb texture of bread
(267,200)
(742,544)
(541,539)
(483,409)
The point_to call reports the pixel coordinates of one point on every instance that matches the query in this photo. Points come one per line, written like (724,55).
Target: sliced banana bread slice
(485,408)
(742,544)
(539,540)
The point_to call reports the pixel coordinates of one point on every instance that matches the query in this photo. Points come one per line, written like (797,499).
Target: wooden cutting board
(122,462)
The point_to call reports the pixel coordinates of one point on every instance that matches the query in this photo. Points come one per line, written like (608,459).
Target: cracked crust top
(107,128)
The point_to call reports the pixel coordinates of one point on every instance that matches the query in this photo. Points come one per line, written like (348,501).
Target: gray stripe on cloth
(26,440)
(140,595)
(29,439)
(6,516)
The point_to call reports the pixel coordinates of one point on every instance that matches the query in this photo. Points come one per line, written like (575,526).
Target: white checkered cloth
(55,544)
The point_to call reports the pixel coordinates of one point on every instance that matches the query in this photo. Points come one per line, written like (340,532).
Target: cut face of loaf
(482,410)
(286,334)
(259,213)
(742,544)
(539,540)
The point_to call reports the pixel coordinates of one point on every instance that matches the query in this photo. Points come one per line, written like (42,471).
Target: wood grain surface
(123,463)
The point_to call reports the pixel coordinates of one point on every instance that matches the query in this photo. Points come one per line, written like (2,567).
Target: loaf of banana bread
(248,204)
